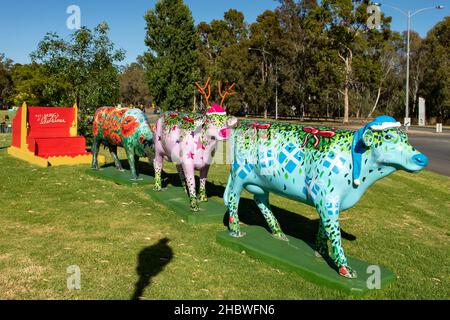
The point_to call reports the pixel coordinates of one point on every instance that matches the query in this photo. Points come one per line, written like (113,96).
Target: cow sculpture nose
(420,159)
(225,133)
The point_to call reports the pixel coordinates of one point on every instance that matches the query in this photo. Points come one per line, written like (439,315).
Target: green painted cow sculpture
(322,167)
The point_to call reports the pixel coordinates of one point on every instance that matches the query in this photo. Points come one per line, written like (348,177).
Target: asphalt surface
(436,147)
(445,130)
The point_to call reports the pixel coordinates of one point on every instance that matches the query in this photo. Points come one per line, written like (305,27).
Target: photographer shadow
(151,261)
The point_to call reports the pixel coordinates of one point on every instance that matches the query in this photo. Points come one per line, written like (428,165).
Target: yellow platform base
(30,157)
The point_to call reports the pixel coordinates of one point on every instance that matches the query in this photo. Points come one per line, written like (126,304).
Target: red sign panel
(50,117)
(50,122)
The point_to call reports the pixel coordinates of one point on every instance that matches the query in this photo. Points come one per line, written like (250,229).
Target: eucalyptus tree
(171,61)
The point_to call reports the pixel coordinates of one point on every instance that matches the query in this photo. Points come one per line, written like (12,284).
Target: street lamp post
(276,88)
(409,14)
(276,80)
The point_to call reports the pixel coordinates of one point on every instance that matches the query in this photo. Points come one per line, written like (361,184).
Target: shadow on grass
(293,224)
(151,261)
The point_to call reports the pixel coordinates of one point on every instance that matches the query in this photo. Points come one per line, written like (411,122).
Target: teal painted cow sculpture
(322,167)
(122,127)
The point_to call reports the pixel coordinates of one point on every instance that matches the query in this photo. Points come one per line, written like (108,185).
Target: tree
(6,86)
(387,64)
(264,43)
(346,22)
(85,65)
(224,56)
(435,86)
(308,75)
(29,84)
(171,62)
(417,55)
(373,57)
(133,86)
(293,49)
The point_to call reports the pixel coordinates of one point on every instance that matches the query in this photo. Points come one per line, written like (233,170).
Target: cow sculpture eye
(388,137)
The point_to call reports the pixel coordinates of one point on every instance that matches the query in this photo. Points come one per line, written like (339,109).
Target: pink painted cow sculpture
(190,141)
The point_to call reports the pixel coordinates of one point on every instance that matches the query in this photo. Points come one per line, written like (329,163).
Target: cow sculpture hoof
(203,199)
(238,234)
(347,272)
(280,236)
(318,254)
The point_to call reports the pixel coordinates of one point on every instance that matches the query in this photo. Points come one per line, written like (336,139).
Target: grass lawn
(56,217)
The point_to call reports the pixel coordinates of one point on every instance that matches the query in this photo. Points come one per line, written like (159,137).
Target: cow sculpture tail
(227,191)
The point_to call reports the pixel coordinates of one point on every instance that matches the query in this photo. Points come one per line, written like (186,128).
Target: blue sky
(23,23)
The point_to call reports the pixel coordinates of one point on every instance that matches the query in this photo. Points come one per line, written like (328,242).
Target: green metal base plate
(177,200)
(298,256)
(120,177)
(174,197)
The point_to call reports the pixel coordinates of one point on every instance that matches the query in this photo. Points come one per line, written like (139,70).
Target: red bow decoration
(261,126)
(188,119)
(314,132)
(173,115)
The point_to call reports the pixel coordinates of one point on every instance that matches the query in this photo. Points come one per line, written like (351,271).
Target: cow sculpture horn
(226,93)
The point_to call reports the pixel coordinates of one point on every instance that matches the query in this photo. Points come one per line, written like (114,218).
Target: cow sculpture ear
(368,137)
(232,122)
(199,124)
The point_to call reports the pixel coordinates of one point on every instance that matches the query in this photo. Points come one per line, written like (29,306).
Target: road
(445,130)
(436,147)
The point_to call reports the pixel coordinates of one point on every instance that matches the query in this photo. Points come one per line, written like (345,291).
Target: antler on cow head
(226,93)
(203,92)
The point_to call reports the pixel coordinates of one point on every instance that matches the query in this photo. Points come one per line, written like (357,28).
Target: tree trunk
(348,60)
(264,78)
(380,88)
(415,91)
(376,102)
(346,104)
(194,108)
(416,85)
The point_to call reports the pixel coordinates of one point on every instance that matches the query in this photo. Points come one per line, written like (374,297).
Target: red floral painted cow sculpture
(122,127)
